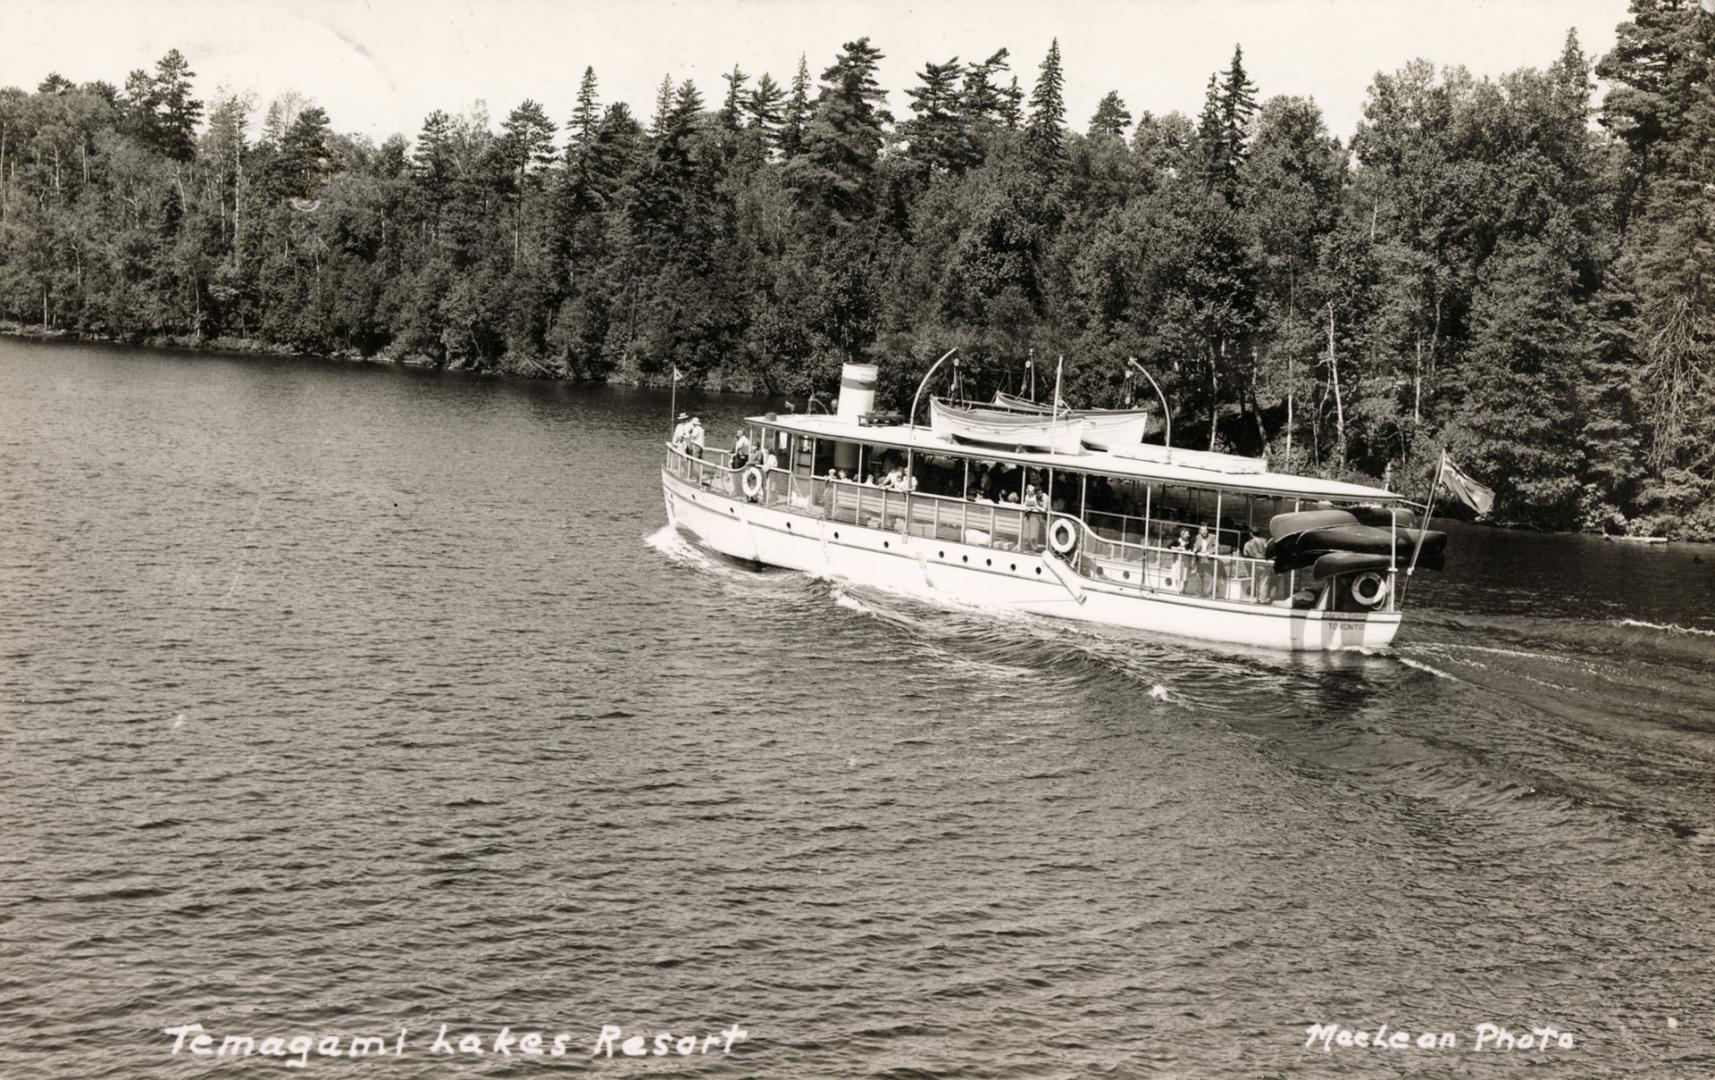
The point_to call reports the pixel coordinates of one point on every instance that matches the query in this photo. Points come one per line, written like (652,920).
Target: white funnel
(857,396)
(857,391)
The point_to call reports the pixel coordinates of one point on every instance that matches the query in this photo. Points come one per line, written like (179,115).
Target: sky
(379,67)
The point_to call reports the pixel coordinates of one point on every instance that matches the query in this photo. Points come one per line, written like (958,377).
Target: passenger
(1203,550)
(682,431)
(695,435)
(979,483)
(1262,580)
(1182,547)
(1035,521)
(740,449)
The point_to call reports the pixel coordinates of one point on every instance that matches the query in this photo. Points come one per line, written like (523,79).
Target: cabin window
(938,475)
(823,454)
(877,461)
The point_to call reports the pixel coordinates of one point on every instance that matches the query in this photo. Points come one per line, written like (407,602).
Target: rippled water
(339,700)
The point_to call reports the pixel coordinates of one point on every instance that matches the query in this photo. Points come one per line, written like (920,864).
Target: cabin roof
(1204,474)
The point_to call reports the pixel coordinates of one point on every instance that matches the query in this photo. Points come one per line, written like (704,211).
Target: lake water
(339,700)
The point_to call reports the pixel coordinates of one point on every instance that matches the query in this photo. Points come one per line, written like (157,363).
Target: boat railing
(1150,531)
(1166,569)
(706,467)
(939,517)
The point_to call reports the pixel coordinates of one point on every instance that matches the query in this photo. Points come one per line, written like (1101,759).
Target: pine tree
(1044,136)
(138,103)
(1609,407)
(1223,129)
(1520,410)
(1211,142)
(732,109)
(1012,106)
(177,113)
(663,108)
(304,152)
(764,109)
(1111,117)
(937,137)
(527,141)
(585,115)
(1676,242)
(981,102)
(1238,105)
(797,112)
(613,147)
(843,140)
(527,145)
(431,161)
(687,106)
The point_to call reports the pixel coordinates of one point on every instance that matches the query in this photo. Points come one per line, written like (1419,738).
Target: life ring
(752,482)
(1369,589)
(1062,536)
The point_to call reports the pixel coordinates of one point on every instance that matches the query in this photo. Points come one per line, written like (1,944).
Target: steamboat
(1200,545)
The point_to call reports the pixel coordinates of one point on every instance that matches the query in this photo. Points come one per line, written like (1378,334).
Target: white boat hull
(943,570)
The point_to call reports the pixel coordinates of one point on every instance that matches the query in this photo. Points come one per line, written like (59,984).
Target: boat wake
(1666,628)
(681,549)
(1421,666)
(670,542)
(841,598)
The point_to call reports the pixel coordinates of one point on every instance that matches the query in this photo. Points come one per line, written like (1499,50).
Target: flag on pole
(1472,494)
(676,375)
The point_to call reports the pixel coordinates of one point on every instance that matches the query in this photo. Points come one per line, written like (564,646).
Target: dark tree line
(1482,268)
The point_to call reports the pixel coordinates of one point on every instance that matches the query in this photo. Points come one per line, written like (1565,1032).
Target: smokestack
(857,396)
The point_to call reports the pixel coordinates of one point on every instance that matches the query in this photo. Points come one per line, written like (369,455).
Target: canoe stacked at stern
(1303,539)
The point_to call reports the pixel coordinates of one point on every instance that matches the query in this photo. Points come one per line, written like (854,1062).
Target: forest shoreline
(530,369)
(250,347)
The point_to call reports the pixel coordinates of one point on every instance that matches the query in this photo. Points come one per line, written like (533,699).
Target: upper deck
(1193,469)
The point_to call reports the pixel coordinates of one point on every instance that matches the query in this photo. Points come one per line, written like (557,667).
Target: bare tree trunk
(1339,407)
(237,211)
(1256,412)
(1417,385)
(1214,384)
